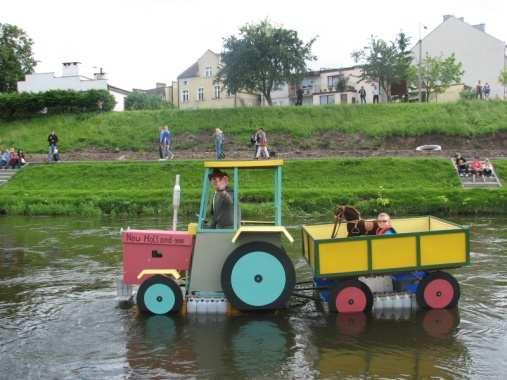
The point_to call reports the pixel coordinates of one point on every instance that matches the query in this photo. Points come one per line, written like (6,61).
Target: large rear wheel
(258,276)
(159,295)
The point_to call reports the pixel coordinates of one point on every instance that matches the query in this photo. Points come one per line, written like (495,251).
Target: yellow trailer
(423,244)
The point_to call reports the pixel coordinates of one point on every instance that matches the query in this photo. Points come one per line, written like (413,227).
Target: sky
(141,42)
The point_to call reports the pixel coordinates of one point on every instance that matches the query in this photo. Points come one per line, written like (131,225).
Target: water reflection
(359,346)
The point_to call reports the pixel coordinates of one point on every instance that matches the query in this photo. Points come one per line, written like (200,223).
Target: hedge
(23,105)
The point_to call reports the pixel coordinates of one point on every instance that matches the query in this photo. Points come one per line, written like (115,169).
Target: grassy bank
(303,127)
(396,185)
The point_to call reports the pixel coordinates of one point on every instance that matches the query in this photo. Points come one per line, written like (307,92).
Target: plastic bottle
(388,302)
(397,303)
(377,303)
(222,306)
(191,305)
(201,306)
(212,306)
(406,301)
(413,302)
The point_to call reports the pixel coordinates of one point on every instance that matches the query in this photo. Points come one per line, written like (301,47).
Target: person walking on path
(375,94)
(165,143)
(219,144)
(486,89)
(262,141)
(362,95)
(53,154)
(478,90)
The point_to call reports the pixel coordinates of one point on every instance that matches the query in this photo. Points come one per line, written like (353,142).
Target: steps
(6,174)
(467,181)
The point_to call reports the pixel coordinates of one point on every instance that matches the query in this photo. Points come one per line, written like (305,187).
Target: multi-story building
(199,88)
(482,55)
(72,80)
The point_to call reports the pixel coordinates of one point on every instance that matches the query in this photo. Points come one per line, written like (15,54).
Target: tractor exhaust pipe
(176,201)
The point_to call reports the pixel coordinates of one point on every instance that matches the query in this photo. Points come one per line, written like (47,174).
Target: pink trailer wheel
(438,290)
(350,296)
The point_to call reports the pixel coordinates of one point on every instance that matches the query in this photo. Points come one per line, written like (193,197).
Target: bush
(141,101)
(467,94)
(23,105)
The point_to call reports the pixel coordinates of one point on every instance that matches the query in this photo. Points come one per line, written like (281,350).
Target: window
(185,83)
(184,96)
(209,72)
(200,94)
(327,99)
(217,92)
(332,81)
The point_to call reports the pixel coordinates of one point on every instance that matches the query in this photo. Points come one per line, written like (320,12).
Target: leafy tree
(386,63)
(263,57)
(140,101)
(503,80)
(438,74)
(16,57)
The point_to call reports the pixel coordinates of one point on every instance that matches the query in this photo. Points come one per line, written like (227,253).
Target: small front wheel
(159,295)
(350,296)
(438,290)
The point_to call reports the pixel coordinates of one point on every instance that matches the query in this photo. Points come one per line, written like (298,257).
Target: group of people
(475,168)
(258,140)
(482,91)
(11,158)
(374,92)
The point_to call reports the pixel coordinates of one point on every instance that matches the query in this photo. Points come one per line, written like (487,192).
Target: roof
(251,164)
(117,89)
(463,22)
(191,72)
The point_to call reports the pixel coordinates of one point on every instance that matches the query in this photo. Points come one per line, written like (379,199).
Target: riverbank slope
(292,131)
(396,185)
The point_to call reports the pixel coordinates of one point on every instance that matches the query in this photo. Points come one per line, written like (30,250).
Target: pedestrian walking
(53,154)
(478,90)
(486,90)
(262,141)
(219,144)
(362,94)
(375,93)
(165,144)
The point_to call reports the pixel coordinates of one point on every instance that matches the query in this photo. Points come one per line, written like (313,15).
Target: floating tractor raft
(246,268)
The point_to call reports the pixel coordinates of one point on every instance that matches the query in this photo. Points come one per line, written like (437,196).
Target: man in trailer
(222,207)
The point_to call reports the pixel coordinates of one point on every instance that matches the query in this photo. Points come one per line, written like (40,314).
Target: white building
(482,55)
(71,80)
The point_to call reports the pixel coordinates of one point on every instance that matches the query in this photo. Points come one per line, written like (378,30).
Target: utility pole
(420,63)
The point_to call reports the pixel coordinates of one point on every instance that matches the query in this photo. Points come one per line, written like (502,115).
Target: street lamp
(420,61)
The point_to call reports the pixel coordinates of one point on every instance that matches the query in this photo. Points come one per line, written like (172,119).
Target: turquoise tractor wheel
(258,276)
(159,295)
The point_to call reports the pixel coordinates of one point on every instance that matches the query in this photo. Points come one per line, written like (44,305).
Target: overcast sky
(140,42)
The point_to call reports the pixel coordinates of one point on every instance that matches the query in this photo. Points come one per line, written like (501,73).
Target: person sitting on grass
(4,158)
(13,159)
(487,169)
(384,225)
(21,157)
(477,168)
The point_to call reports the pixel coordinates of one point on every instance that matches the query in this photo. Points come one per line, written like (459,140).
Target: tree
(386,63)
(503,80)
(438,74)
(141,101)
(262,58)
(16,57)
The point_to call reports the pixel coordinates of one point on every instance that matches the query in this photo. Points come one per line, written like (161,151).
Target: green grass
(138,130)
(396,185)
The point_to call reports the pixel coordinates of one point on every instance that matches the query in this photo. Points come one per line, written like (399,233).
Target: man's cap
(217,173)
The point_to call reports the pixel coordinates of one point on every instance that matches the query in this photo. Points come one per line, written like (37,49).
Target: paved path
(6,175)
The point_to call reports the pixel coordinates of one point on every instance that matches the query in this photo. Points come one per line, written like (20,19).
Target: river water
(59,319)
